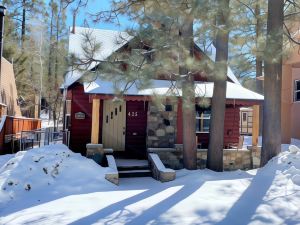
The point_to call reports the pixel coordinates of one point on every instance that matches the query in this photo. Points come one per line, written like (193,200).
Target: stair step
(124,168)
(135,173)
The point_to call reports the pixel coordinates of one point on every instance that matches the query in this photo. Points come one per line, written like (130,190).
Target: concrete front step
(135,173)
(125,168)
(133,168)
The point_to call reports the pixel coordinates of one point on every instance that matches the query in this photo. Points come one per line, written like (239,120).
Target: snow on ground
(66,188)
(5,158)
(248,141)
(284,147)
(47,123)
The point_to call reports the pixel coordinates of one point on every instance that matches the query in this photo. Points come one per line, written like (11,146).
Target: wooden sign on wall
(80,116)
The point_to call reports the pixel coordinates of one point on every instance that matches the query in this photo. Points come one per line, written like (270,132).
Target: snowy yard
(52,185)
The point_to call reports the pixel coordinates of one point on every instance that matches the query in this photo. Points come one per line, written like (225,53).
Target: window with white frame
(297,91)
(202,119)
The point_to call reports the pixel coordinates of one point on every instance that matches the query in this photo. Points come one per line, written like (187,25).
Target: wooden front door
(136,128)
(113,131)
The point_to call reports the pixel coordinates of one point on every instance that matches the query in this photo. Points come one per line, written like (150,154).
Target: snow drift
(53,185)
(50,170)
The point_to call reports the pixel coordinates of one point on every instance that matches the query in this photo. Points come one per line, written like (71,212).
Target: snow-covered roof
(246,109)
(234,91)
(166,87)
(111,41)
(212,55)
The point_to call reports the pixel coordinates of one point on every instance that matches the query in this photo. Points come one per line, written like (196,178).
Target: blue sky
(93,7)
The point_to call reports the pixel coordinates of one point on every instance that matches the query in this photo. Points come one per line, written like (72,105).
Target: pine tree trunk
(57,93)
(273,75)
(51,47)
(58,29)
(218,104)
(259,60)
(188,96)
(23,25)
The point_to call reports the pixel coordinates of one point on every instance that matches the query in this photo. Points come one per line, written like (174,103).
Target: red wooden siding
(231,128)
(232,125)
(80,130)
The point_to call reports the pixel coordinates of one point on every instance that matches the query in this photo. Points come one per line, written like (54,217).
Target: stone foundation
(161,124)
(256,154)
(159,171)
(170,157)
(97,152)
(232,159)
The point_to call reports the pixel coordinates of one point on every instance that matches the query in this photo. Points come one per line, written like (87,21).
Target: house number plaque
(79,116)
(132,114)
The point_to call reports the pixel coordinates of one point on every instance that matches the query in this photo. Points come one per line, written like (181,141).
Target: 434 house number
(132,114)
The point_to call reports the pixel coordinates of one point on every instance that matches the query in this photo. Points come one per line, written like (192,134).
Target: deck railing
(11,128)
(43,137)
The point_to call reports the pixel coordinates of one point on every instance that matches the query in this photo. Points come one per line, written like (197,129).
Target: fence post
(20,145)
(68,132)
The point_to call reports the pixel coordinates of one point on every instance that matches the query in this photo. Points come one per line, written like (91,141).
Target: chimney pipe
(74,22)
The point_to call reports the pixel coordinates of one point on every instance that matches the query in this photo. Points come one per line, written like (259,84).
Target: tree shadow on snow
(153,213)
(245,207)
(146,215)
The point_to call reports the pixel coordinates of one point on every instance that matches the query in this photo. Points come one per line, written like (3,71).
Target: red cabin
(142,118)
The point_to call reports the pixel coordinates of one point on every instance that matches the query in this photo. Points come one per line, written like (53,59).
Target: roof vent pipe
(74,22)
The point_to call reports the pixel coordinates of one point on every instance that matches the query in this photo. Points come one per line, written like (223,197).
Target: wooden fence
(10,129)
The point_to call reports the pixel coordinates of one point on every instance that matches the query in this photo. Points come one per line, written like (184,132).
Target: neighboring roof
(9,90)
(111,41)
(165,87)
(246,109)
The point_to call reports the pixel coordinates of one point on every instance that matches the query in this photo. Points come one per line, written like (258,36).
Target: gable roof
(111,41)
(212,55)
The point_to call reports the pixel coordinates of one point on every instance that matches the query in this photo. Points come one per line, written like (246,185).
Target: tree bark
(273,76)
(23,25)
(218,104)
(51,46)
(188,95)
(259,59)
